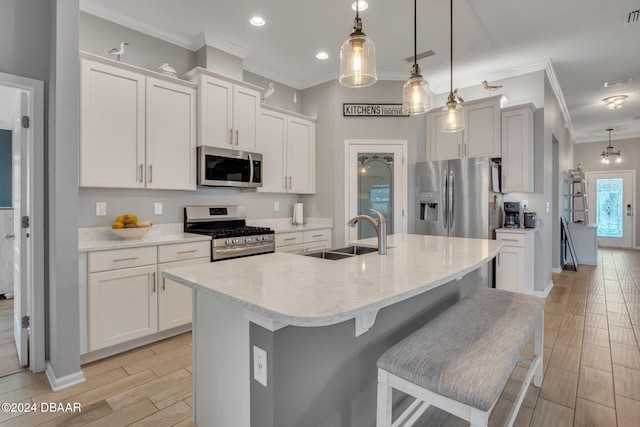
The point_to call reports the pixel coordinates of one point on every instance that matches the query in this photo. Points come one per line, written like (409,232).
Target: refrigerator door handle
(445,201)
(451,197)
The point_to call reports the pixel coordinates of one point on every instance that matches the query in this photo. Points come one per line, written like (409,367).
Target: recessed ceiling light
(614,102)
(257,21)
(322,55)
(363,5)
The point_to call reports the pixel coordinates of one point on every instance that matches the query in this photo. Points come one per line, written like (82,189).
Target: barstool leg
(385,393)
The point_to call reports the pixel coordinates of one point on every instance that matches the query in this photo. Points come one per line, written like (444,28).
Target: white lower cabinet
(127,297)
(122,305)
(303,241)
(514,266)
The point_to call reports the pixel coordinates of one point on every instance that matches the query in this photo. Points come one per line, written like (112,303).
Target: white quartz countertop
(102,244)
(291,289)
(517,230)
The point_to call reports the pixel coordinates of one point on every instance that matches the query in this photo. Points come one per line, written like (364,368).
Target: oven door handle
(243,248)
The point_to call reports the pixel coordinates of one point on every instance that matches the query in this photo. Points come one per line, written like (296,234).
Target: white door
(376,174)
(611,200)
(21,271)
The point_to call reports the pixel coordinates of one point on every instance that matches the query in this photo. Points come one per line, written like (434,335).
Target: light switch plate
(276,206)
(260,365)
(157,208)
(101,209)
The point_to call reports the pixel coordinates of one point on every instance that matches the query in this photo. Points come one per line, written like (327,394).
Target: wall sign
(372,110)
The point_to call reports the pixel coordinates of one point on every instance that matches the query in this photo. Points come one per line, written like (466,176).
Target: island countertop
(292,289)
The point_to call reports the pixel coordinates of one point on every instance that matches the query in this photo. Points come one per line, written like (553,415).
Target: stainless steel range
(232,238)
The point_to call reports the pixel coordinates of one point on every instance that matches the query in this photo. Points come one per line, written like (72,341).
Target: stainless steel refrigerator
(457,199)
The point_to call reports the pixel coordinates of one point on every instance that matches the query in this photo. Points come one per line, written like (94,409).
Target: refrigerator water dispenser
(429,205)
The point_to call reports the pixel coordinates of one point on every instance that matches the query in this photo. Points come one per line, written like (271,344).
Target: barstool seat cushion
(468,352)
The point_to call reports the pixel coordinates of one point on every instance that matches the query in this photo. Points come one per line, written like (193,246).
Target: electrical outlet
(101,209)
(525,204)
(276,206)
(260,365)
(157,208)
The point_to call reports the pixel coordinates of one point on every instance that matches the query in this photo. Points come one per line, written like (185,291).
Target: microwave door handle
(250,169)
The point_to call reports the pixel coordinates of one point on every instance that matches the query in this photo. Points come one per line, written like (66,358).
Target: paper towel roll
(297,214)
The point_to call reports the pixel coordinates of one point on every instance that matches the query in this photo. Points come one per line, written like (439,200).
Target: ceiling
(585,40)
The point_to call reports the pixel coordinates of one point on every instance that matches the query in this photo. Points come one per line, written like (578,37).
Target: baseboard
(63,382)
(556,270)
(544,293)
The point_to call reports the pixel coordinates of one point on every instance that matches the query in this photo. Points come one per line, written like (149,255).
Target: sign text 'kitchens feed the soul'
(372,110)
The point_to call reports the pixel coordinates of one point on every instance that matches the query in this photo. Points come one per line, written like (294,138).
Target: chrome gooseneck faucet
(380,226)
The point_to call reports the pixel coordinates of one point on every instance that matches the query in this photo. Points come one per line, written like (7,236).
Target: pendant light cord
(415,32)
(451,45)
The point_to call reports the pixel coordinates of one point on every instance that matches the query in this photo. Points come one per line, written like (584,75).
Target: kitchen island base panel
(325,376)
(220,363)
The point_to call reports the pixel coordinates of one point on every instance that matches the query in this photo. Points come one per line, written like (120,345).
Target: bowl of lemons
(128,227)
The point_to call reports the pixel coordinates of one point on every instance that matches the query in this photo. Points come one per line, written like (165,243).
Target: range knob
(266,237)
(235,240)
(247,239)
(227,242)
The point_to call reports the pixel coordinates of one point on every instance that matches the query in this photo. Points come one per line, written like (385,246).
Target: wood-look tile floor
(8,354)
(592,366)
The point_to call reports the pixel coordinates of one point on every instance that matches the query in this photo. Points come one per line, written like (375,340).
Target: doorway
(612,201)
(376,173)
(22,313)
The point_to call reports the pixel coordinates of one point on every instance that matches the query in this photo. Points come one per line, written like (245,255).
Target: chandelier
(608,153)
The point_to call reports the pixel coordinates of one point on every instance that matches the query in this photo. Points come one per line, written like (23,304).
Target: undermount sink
(341,253)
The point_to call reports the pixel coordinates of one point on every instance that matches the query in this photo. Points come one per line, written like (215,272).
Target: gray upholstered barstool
(461,361)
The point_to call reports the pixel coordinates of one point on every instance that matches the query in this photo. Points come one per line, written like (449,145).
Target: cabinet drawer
(511,239)
(183,251)
(291,248)
(317,235)
(285,239)
(121,258)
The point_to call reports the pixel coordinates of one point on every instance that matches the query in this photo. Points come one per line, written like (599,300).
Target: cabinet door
(112,127)
(122,306)
(482,129)
(510,269)
(171,138)
(246,106)
(175,300)
(441,145)
(271,143)
(301,157)
(517,150)
(215,115)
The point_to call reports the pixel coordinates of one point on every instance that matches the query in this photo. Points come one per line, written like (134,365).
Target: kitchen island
(322,323)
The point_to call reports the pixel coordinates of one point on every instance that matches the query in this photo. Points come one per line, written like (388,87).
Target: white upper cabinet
(480,137)
(227,111)
(112,126)
(517,149)
(171,136)
(288,145)
(137,128)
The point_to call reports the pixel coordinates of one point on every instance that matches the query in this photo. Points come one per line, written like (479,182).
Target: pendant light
(358,57)
(416,97)
(609,153)
(452,118)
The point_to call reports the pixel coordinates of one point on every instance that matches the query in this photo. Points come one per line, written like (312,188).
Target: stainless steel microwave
(221,167)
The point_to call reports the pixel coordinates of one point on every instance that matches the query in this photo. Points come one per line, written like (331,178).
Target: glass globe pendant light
(416,97)
(452,119)
(358,57)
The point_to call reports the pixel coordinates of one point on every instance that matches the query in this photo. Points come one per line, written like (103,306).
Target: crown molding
(557,90)
(205,39)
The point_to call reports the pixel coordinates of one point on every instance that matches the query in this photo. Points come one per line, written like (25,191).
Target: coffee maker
(511,214)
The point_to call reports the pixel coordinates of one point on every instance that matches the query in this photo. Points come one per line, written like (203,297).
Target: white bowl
(130,233)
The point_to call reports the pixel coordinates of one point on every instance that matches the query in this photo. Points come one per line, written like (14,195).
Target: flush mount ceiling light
(322,55)
(257,21)
(452,118)
(358,57)
(362,5)
(614,102)
(609,154)
(416,97)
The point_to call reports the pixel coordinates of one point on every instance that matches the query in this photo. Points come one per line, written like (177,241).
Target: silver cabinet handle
(509,240)
(231,136)
(126,259)
(150,173)
(290,238)
(237,136)
(317,235)
(141,171)
(187,252)
(164,283)
(289,183)
(9,236)
(153,284)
